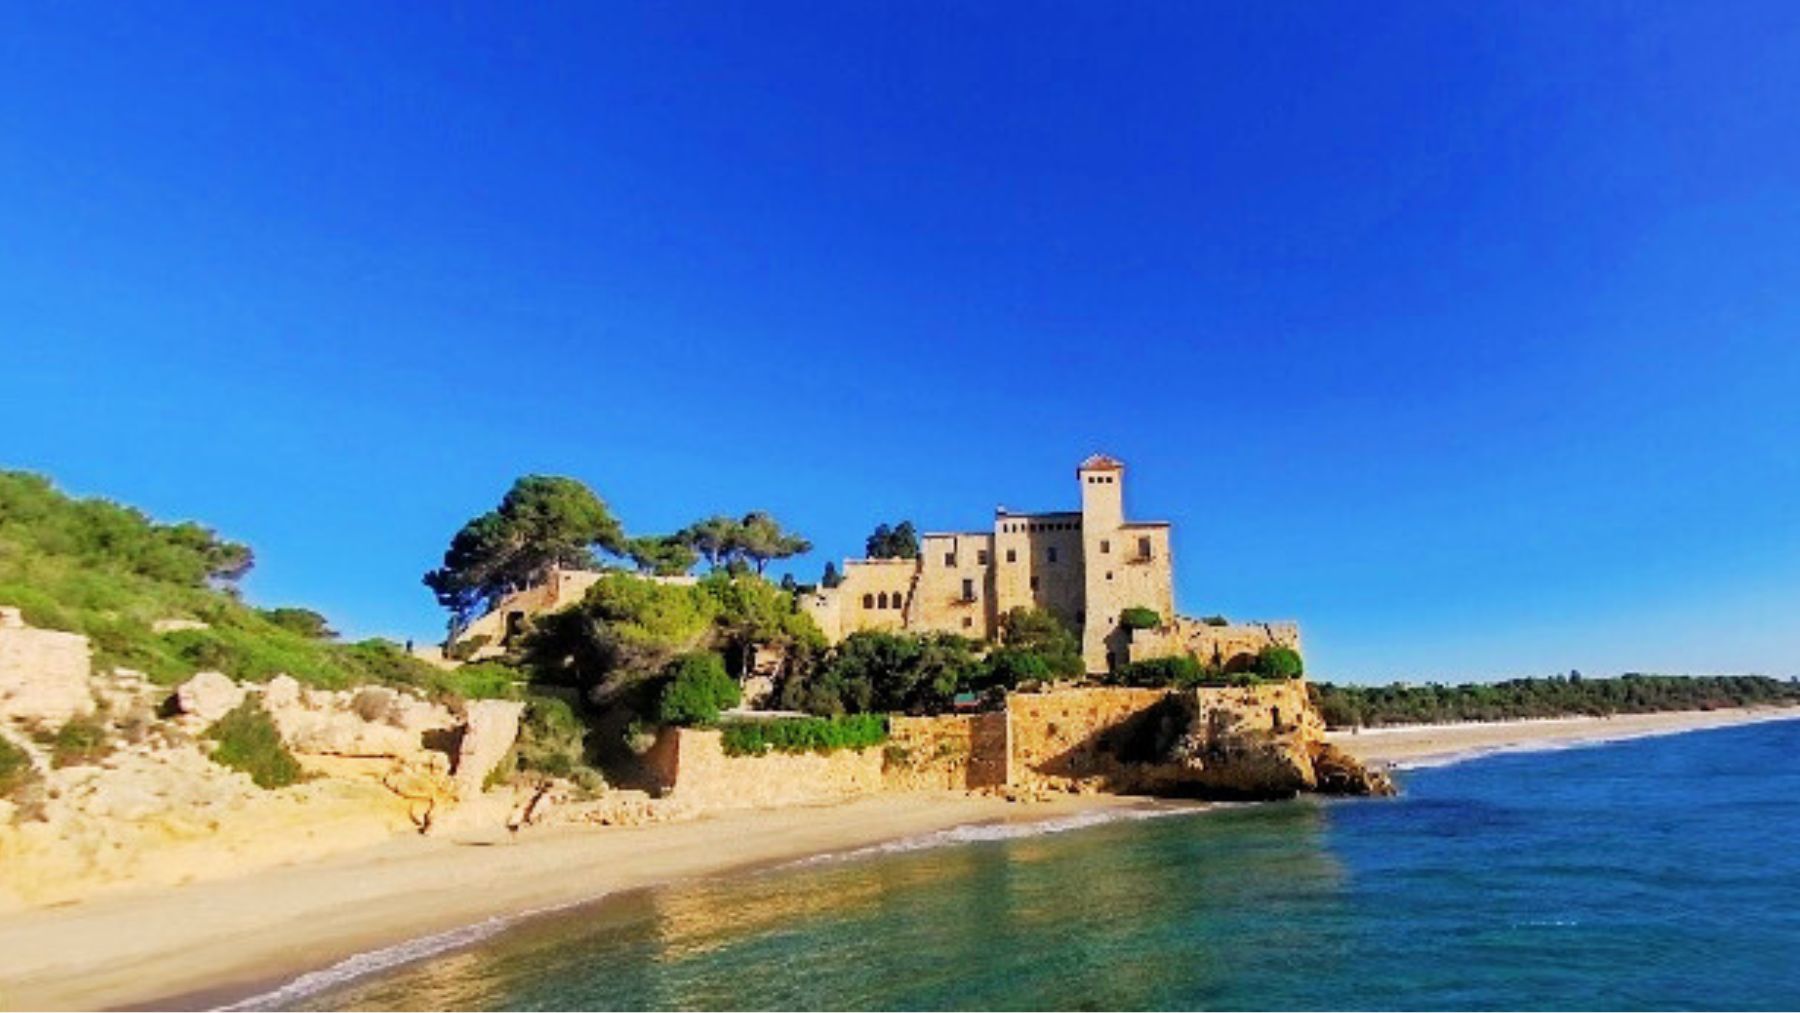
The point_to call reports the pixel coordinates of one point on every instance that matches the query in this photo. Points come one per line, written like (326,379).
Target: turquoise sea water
(1656,873)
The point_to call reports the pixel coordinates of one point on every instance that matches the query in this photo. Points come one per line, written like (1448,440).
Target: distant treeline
(1556,696)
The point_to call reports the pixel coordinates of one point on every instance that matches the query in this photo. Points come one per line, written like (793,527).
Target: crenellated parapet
(1230,647)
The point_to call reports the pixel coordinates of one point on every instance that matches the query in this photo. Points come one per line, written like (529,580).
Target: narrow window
(981,556)
(1012,555)
(1144,548)
(868,601)
(1050,554)
(968,590)
(881,599)
(1109,575)
(1105,545)
(896,599)
(949,559)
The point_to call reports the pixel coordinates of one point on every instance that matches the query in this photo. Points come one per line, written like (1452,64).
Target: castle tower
(1102,518)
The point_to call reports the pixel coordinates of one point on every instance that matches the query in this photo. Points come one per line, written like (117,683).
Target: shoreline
(234,940)
(1410,746)
(245,939)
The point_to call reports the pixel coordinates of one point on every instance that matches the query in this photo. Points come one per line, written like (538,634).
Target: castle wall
(1055,736)
(1069,740)
(690,766)
(1064,740)
(1085,567)
(948,752)
(1227,647)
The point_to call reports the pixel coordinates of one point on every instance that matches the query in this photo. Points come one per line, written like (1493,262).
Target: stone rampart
(949,752)
(1230,648)
(689,765)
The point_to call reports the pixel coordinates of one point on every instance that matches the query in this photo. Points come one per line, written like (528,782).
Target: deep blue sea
(1656,873)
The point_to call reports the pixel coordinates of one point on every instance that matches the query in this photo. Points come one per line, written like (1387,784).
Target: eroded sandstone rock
(1339,773)
(208,696)
(489,729)
(43,673)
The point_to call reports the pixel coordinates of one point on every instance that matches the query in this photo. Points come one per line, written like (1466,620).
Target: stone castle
(1087,567)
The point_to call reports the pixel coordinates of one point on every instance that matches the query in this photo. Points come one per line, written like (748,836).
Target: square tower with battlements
(1086,567)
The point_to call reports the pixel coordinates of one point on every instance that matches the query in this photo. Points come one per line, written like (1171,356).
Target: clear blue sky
(1467,335)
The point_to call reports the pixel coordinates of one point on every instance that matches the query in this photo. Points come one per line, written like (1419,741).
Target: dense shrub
(1278,662)
(1180,670)
(552,743)
(877,671)
(1139,618)
(248,741)
(1216,621)
(802,735)
(629,629)
(697,691)
(1041,633)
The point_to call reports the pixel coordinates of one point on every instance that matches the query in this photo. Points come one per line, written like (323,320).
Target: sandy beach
(1421,745)
(219,940)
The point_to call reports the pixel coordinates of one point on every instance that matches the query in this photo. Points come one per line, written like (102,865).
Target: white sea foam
(389,957)
(970,833)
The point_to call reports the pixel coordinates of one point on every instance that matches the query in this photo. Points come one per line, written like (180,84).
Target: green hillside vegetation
(94,567)
(1557,696)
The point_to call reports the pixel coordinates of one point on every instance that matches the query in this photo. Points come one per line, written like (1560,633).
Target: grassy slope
(109,572)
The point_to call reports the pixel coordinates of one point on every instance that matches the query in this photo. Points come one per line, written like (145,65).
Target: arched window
(868,601)
(881,599)
(897,599)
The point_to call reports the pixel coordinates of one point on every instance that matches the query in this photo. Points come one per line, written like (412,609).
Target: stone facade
(689,766)
(1086,567)
(1247,741)
(955,752)
(1229,648)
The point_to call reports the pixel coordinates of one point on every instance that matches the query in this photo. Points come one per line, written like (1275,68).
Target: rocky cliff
(109,781)
(1253,742)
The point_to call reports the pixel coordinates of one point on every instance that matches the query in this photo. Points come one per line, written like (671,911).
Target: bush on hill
(81,740)
(249,741)
(552,743)
(629,629)
(106,571)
